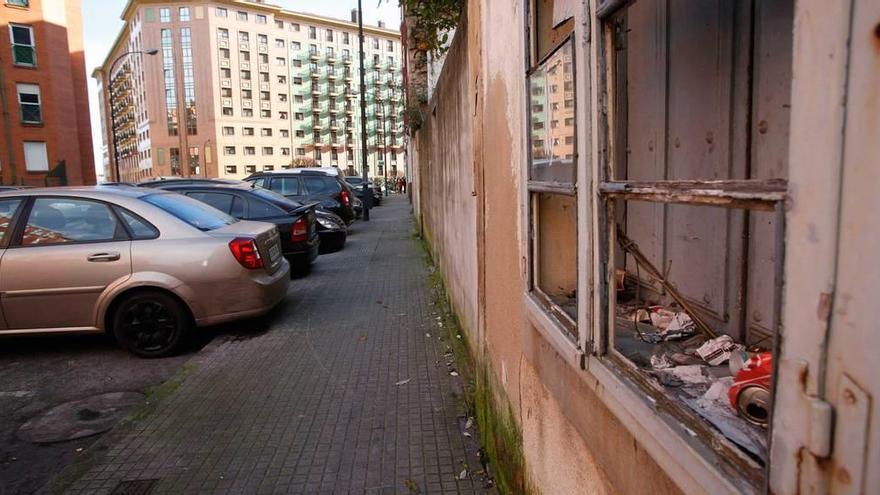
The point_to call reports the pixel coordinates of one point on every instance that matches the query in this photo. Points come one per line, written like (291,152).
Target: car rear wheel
(150,324)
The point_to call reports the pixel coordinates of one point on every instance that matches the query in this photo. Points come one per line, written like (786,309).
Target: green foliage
(431,21)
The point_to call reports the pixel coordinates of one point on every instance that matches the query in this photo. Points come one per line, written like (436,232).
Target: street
(342,389)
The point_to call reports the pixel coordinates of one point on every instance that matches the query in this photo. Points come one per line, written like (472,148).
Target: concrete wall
(444,154)
(468,163)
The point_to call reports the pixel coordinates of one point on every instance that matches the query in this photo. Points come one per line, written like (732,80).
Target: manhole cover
(79,418)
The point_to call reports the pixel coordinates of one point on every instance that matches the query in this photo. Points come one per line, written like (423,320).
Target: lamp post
(151,51)
(367,195)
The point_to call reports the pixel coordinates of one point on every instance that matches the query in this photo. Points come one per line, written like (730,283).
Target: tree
(302,162)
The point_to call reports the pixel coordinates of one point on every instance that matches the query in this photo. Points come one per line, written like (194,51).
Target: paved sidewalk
(313,404)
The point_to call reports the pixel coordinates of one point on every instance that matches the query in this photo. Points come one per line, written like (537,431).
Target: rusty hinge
(821,420)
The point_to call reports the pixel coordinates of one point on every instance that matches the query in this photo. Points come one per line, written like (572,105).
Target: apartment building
(228,88)
(46,137)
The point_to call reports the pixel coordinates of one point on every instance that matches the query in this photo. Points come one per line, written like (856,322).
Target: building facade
(46,137)
(659,240)
(238,87)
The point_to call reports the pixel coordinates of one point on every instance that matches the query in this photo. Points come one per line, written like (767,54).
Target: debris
(468,423)
(403,382)
(718,350)
(681,325)
(80,449)
(412,486)
(458,336)
(692,373)
(750,393)
(467,434)
(362,338)
(661,317)
(453,373)
(463,474)
(428,335)
(659,361)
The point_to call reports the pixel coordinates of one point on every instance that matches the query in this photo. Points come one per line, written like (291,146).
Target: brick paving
(313,405)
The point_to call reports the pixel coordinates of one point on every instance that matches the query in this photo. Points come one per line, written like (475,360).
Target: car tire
(151,324)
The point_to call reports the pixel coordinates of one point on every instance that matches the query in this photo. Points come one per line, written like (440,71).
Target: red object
(300,230)
(750,393)
(245,251)
(344,197)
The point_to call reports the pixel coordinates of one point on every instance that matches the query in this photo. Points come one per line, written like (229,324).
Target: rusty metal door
(851,382)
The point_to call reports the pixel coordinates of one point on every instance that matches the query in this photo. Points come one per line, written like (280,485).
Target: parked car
(357,185)
(296,222)
(331,229)
(162,181)
(144,265)
(310,185)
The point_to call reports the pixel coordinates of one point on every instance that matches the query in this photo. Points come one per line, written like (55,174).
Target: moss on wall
(500,437)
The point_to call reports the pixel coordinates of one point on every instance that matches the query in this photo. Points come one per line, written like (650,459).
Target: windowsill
(681,452)
(17,7)
(24,66)
(552,331)
(32,124)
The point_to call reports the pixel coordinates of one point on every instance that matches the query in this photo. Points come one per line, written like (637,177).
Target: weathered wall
(444,154)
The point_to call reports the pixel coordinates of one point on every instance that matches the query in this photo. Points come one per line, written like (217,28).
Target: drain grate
(134,487)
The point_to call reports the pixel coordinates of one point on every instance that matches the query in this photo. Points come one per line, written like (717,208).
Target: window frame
(14,45)
(120,234)
(564,326)
(38,104)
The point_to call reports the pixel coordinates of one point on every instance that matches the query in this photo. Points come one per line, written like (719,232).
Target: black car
(357,185)
(297,223)
(308,186)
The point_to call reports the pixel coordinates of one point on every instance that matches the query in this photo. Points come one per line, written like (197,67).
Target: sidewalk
(319,403)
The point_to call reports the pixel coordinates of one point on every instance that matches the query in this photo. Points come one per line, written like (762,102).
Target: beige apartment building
(229,88)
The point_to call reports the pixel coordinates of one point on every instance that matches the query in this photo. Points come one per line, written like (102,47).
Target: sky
(101,25)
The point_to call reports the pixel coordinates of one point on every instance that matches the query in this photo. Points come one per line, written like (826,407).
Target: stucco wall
(444,157)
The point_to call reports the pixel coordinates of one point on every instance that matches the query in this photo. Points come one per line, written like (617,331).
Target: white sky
(101,24)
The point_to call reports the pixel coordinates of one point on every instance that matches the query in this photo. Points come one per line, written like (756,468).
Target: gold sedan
(144,265)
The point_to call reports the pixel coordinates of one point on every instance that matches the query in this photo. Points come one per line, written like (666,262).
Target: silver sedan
(144,265)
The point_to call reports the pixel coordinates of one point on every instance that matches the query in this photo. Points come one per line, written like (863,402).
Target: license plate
(274,253)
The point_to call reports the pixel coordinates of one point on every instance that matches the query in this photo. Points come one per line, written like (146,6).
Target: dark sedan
(296,223)
(357,185)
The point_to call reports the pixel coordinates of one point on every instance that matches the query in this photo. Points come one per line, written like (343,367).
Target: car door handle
(103,257)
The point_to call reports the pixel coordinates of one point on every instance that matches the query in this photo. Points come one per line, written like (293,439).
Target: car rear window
(321,185)
(276,199)
(355,181)
(191,211)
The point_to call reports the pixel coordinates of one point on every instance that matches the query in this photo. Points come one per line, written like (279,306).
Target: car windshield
(191,211)
(276,199)
(355,181)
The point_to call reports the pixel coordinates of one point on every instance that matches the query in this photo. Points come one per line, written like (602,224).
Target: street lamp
(151,51)
(367,194)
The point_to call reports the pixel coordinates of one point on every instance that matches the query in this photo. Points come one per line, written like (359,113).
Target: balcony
(243,46)
(349,109)
(262,48)
(331,58)
(264,86)
(265,105)
(223,43)
(224,63)
(316,90)
(246,85)
(346,59)
(264,67)
(333,91)
(226,83)
(331,76)
(226,102)
(245,104)
(316,124)
(313,55)
(315,73)
(244,66)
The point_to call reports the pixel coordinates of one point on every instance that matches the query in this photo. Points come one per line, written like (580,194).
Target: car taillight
(244,249)
(345,199)
(300,230)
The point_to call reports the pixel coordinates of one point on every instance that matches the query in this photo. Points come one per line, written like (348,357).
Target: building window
(280,43)
(285,151)
(317,155)
(280,61)
(282,115)
(329,35)
(262,39)
(552,196)
(268,168)
(229,150)
(295,45)
(266,132)
(345,39)
(241,16)
(247,131)
(227,111)
(29,103)
(300,152)
(250,150)
(279,24)
(268,150)
(390,46)
(189,85)
(228,131)
(297,81)
(375,43)
(164,15)
(313,35)
(261,19)
(223,33)
(194,163)
(298,116)
(36,158)
(23,45)
(266,114)
(245,75)
(294,26)
(170,83)
(174,155)
(244,37)
(247,112)
(183,14)
(231,169)
(220,12)
(250,169)
(18,3)
(284,133)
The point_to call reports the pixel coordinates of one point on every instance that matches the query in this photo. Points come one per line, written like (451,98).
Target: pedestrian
(402,183)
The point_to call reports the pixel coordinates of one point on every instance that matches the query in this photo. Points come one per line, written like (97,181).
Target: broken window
(552,174)
(693,180)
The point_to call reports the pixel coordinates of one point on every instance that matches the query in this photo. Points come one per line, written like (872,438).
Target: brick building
(239,87)
(46,137)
